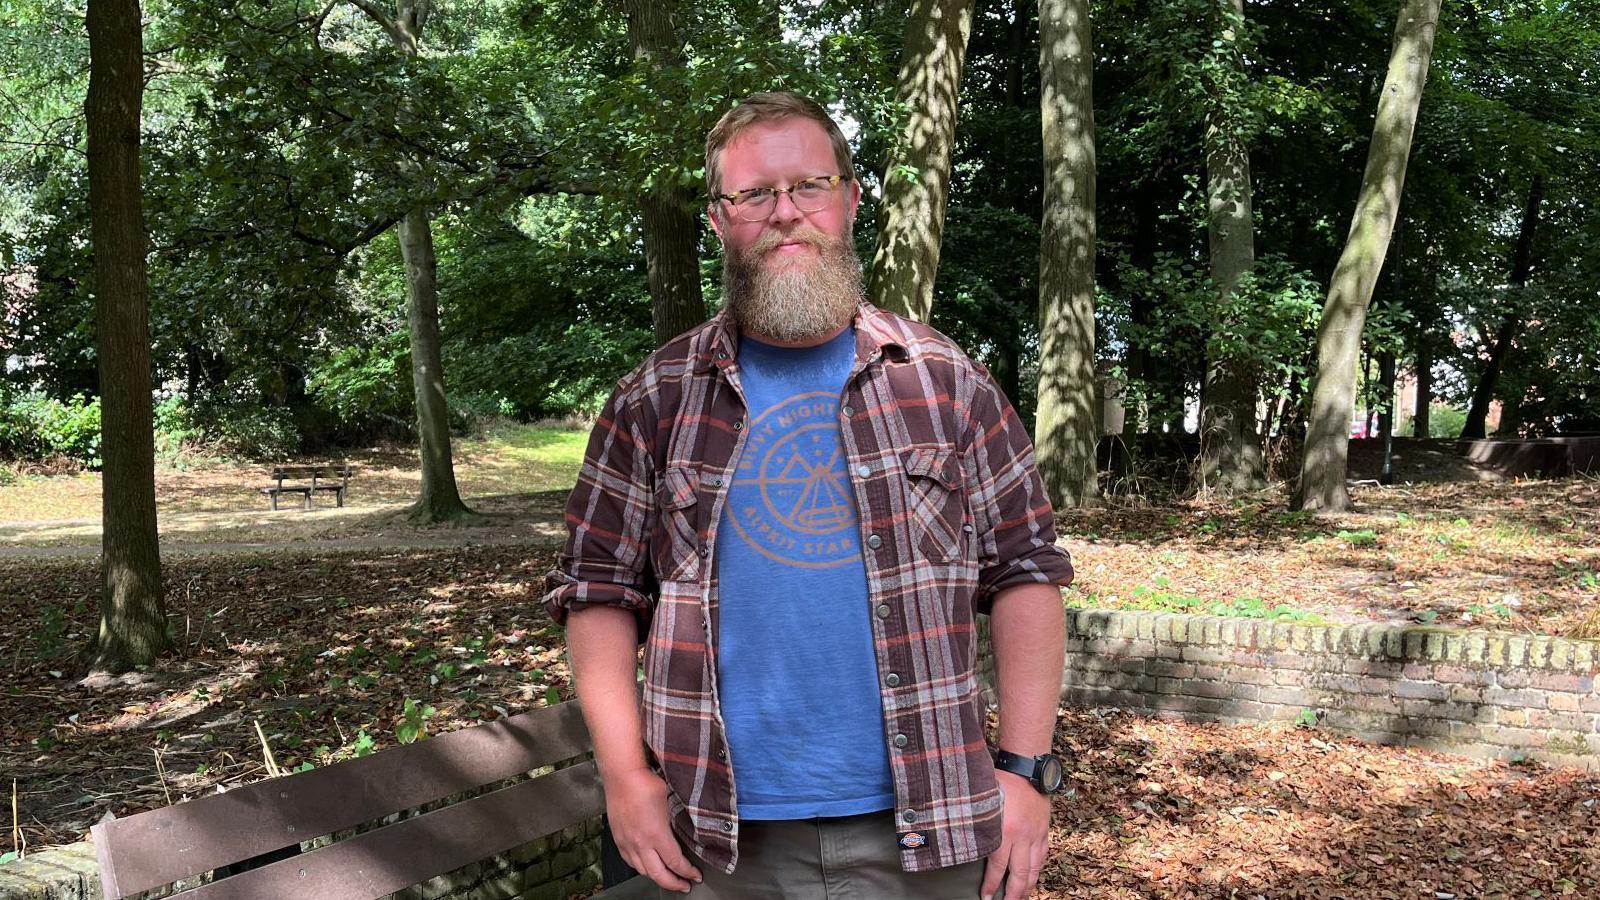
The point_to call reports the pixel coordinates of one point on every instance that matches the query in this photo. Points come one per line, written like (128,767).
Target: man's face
(792,276)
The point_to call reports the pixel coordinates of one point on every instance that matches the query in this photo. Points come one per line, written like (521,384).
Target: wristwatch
(1043,772)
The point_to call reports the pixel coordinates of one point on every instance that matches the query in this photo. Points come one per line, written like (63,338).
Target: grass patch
(1159,599)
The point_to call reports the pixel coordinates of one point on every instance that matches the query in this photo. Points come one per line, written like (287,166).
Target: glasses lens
(756,205)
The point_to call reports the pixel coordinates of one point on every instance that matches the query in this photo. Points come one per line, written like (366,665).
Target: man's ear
(716,220)
(855,200)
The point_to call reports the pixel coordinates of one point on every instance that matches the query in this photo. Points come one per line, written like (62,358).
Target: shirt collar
(875,333)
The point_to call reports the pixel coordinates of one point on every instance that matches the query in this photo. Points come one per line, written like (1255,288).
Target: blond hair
(770,106)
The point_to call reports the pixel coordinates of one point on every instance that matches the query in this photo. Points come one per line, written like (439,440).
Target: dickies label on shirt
(913,395)
(911,840)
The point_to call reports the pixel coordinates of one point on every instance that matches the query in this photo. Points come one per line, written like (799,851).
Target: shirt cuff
(1046,564)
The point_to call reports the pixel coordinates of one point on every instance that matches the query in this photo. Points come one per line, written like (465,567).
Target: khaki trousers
(839,858)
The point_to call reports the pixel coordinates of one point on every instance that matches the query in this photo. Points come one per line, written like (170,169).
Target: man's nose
(784,212)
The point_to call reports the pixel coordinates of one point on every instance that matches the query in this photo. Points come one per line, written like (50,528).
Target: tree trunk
(1230,452)
(1323,487)
(670,219)
(916,184)
(132,620)
(1511,321)
(1386,403)
(1420,419)
(1068,423)
(440,500)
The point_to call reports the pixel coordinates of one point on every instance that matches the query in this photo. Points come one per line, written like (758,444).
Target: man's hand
(1024,840)
(640,820)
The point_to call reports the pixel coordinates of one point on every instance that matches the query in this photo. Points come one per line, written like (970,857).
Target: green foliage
(1366,537)
(34,425)
(413,722)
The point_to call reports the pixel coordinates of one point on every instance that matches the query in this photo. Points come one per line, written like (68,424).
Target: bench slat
(161,846)
(387,859)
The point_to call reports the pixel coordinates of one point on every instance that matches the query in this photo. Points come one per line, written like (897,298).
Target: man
(799,506)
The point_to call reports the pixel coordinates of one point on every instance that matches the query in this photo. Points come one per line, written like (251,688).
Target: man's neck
(796,344)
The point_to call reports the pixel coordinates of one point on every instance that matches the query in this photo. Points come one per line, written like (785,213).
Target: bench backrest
(162,846)
(341,471)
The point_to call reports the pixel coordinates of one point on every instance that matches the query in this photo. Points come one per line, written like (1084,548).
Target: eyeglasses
(808,195)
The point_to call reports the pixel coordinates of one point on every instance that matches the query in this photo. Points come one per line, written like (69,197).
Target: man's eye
(810,188)
(755,195)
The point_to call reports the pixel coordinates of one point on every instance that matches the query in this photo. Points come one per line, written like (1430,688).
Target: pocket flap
(939,463)
(680,487)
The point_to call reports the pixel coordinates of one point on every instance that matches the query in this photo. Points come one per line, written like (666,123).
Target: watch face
(1050,775)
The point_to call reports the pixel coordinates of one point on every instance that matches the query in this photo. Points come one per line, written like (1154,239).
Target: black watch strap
(1043,771)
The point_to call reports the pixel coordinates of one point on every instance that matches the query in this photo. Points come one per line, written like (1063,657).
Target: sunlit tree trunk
(1068,422)
(1230,448)
(1323,486)
(917,183)
(439,500)
(1511,317)
(669,213)
(132,620)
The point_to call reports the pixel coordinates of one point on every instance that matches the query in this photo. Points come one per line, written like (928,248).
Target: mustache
(805,234)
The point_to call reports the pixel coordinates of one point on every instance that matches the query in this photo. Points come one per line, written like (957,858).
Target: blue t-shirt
(796,668)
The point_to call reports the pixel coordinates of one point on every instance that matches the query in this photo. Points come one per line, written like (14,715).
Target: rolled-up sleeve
(609,515)
(1012,511)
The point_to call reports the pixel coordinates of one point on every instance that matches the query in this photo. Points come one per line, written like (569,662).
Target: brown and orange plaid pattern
(951,508)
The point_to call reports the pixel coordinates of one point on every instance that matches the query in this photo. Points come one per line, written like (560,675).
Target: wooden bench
(316,485)
(251,842)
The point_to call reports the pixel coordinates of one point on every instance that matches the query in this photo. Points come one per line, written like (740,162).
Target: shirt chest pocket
(675,541)
(936,501)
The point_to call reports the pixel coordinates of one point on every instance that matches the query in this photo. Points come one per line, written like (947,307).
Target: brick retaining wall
(1480,693)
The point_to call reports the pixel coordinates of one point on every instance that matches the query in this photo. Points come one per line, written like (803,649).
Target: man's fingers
(657,871)
(675,859)
(1019,886)
(993,871)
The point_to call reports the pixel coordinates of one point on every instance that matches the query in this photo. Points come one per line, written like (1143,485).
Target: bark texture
(132,619)
(1230,446)
(669,214)
(1511,319)
(1323,487)
(440,499)
(1421,420)
(912,227)
(1068,423)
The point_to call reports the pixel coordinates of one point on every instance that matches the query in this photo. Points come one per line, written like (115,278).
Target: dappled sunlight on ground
(517,471)
(1513,555)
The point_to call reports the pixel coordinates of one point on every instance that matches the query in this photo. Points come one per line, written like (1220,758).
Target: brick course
(1475,692)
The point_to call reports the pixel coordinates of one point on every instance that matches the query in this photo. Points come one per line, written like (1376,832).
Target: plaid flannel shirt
(951,511)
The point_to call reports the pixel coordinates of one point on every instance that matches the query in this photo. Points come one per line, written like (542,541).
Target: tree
(1230,445)
(669,213)
(440,500)
(1512,317)
(1068,424)
(132,619)
(1323,487)
(916,182)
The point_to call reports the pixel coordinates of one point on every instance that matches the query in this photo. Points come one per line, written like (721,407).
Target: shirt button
(738,424)
(848,410)
(863,470)
(716,481)
(883,610)
(901,740)
(874,541)
(722,354)
(721,753)
(893,680)
(727,826)
(704,551)
(909,815)
(967,527)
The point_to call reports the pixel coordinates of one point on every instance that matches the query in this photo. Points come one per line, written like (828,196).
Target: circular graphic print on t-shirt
(791,499)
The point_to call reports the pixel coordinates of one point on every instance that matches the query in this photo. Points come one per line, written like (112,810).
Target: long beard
(799,301)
